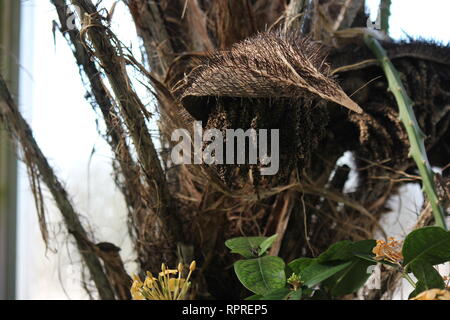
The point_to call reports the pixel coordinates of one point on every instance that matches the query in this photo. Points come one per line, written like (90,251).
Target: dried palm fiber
(268,65)
(382,152)
(270,81)
(234,21)
(425,72)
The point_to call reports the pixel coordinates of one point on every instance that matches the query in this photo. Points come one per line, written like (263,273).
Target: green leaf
(355,275)
(283,294)
(371,259)
(340,264)
(346,250)
(339,251)
(248,247)
(298,265)
(261,275)
(277,294)
(351,278)
(266,244)
(295,295)
(430,244)
(254,297)
(318,272)
(363,247)
(427,277)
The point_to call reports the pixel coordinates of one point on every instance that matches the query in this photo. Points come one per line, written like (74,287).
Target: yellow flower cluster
(390,251)
(168,286)
(433,294)
(295,281)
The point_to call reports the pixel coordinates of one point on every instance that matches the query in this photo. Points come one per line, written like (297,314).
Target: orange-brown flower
(433,294)
(390,251)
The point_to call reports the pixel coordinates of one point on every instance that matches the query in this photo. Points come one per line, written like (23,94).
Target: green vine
(415,134)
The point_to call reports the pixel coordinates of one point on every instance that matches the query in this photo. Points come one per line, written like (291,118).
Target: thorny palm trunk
(187,212)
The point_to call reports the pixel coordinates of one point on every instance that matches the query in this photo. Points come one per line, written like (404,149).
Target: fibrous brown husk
(273,80)
(268,65)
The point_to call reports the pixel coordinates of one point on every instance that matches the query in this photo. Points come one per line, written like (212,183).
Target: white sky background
(428,19)
(52,98)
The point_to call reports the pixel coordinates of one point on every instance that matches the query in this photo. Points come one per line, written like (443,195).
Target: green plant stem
(407,277)
(415,134)
(385,12)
